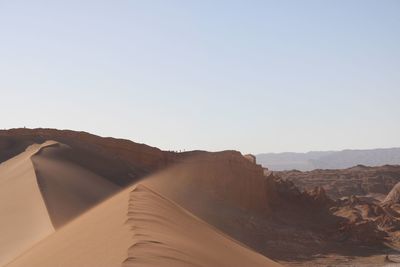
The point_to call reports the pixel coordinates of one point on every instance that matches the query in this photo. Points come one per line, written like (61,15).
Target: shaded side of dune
(138,227)
(121,160)
(164,234)
(268,214)
(68,189)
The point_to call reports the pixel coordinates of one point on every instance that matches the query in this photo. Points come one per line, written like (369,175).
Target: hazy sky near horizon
(256,76)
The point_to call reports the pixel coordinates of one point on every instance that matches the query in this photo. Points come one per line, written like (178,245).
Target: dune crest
(138,227)
(167,235)
(68,189)
(171,217)
(24,218)
(41,190)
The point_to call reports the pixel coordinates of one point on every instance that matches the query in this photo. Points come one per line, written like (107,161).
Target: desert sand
(68,189)
(24,217)
(139,227)
(171,236)
(84,200)
(58,213)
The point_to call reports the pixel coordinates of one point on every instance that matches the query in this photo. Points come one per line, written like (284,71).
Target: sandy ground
(56,211)
(100,237)
(167,235)
(62,206)
(136,227)
(24,217)
(139,227)
(68,189)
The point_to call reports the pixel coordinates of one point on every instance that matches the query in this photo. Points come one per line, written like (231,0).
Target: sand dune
(121,161)
(225,190)
(167,235)
(136,227)
(68,189)
(97,238)
(41,190)
(24,218)
(61,205)
(139,227)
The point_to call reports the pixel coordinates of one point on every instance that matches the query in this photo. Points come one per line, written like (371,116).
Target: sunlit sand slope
(167,235)
(97,238)
(23,215)
(139,227)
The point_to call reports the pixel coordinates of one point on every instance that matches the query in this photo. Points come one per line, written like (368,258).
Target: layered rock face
(370,221)
(394,196)
(358,180)
(370,218)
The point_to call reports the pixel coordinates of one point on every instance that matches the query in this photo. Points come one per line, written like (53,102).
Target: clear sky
(256,76)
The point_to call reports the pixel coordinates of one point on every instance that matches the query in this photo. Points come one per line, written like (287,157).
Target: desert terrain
(75,199)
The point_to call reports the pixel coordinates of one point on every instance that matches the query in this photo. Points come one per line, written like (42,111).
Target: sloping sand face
(221,192)
(139,227)
(68,189)
(98,238)
(167,235)
(41,190)
(23,215)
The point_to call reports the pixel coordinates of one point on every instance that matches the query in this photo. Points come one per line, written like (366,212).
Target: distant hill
(329,159)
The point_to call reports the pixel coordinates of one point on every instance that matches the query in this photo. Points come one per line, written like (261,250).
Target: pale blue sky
(256,76)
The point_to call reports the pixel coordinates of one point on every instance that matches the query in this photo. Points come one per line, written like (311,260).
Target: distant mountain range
(329,159)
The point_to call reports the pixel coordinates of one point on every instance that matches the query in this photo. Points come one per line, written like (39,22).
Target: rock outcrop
(359,180)
(394,196)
